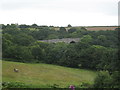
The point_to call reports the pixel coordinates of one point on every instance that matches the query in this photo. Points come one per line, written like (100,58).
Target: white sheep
(16,70)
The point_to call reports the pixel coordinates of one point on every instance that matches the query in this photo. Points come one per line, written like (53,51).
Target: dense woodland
(96,50)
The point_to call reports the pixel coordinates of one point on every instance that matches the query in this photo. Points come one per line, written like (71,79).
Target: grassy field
(45,75)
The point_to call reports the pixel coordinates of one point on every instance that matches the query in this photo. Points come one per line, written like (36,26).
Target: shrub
(103,80)
(14,85)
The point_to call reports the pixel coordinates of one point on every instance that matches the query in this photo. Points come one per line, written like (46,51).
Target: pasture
(45,75)
(91,28)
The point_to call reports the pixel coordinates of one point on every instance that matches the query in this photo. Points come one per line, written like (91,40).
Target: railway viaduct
(66,40)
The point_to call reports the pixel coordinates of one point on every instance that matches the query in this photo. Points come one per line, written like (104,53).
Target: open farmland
(100,28)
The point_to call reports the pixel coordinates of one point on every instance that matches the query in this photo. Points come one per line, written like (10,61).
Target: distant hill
(45,75)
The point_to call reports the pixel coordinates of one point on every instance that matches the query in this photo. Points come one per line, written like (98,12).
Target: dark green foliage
(62,32)
(105,80)
(38,52)
(23,39)
(41,33)
(7,40)
(70,57)
(20,53)
(116,79)
(55,52)
(96,50)
(72,30)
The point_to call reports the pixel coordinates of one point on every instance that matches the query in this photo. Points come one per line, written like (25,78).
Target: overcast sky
(59,12)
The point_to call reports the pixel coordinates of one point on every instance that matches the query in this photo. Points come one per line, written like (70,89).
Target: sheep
(16,70)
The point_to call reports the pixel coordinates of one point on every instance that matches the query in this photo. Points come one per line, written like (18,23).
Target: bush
(103,80)
(14,85)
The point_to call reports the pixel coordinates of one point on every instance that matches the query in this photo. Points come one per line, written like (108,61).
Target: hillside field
(91,28)
(45,75)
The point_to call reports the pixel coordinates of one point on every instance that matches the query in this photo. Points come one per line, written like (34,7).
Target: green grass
(44,75)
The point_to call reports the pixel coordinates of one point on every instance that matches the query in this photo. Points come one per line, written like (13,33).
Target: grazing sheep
(16,70)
